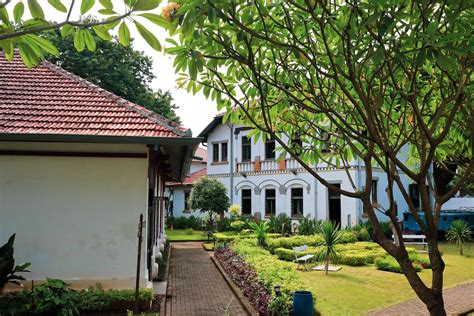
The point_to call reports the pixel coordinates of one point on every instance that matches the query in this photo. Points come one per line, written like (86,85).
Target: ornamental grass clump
(459,233)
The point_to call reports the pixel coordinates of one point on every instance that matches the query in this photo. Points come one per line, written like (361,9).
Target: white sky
(195,110)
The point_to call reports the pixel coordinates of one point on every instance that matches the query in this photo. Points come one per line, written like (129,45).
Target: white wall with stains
(75,218)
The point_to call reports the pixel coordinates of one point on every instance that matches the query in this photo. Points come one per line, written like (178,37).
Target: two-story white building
(260,183)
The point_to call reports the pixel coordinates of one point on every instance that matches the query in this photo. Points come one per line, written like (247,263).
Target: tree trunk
(431,297)
(327,265)
(460,249)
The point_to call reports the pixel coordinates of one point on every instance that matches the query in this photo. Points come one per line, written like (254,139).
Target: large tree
(116,68)
(20,24)
(385,82)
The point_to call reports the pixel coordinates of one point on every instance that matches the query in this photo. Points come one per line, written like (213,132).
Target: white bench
(413,240)
(302,261)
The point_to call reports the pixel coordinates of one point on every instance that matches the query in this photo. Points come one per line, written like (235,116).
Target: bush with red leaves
(245,278)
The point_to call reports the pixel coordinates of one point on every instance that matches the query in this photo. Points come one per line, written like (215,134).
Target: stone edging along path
(238,292)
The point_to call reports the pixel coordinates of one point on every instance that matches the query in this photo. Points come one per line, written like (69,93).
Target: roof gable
(49,100)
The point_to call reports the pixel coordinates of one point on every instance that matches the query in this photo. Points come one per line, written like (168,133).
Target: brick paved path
(196,286)
(457,299)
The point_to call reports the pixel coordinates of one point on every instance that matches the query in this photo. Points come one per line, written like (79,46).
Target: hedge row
(311,241)
(271,272)
(228,237)
(391,265)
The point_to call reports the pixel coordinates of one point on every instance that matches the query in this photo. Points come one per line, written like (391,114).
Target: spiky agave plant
(332,236)
(260,231)
(459,233)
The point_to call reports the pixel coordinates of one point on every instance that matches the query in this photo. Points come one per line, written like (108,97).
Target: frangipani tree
(386,82)
(20,24)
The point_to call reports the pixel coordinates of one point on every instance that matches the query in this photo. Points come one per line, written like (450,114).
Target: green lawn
(183,234)
(357,290)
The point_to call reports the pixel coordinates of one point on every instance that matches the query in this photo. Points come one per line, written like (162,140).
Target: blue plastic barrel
(303,303)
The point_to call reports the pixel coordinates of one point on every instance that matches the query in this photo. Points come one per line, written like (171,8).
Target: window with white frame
(270,148)
(270,202)
(246,149)
(296,202)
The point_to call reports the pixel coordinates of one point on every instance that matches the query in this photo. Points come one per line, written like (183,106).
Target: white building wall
(75,218)
(316,204)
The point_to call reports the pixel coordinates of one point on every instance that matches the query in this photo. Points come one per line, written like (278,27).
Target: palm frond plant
(260,230)
(459,233)
(332,236)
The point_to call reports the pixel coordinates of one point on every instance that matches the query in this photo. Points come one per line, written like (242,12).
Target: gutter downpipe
(231,161)
(359,204)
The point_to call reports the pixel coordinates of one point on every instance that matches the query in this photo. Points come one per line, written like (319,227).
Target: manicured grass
(357,290)
(183,234)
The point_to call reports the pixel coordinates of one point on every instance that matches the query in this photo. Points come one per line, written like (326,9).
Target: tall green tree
(116,68)
(209,196)
(386,83)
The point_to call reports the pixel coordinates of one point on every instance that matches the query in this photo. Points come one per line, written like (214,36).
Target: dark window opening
(270,148)
(246,201)
(224,151)
(374,192)
(444,219)
(246,149)
(215,152)
(296,202)
(334,203)
(270,202)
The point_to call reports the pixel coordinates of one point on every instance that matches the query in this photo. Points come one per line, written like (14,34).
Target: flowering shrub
(245,278)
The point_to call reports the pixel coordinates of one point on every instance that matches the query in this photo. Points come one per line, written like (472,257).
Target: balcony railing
(267,165)
(292,164)
(246,166)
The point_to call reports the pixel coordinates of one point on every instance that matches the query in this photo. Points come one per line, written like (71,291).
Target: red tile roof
(50,100)
(202,154)
(191,179)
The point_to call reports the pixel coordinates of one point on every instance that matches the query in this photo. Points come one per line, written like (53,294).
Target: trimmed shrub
(224,224)
(391,265)
(348,236)
(237,225)
(183,222)
(423,262)
(353,259)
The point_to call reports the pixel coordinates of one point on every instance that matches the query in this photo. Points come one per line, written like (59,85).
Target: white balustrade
(268,165)
(245,166)
(292,164)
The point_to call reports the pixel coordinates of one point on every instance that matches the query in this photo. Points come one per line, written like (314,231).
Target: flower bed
(245,278)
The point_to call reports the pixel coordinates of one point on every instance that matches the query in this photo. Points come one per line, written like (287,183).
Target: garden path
(196,286)
(457,300)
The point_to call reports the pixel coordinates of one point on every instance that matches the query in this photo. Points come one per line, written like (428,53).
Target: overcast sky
(195,110)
